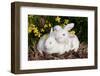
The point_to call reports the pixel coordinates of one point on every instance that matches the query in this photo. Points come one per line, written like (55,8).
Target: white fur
(58,41)
(57,28)
(62,37)
(69,26)
(74,43)
(40,45)
(54,47)
(50,45)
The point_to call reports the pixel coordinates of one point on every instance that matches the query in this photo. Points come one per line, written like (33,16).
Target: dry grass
(82,52)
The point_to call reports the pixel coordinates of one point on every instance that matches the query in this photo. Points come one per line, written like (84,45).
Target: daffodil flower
(32,25)
(45,25)
(46,21)
(72,33)
(66,21)
(57,19)
(39,34)
(35,30)
(42,30)
(29,29)
(36,34)
(49,25)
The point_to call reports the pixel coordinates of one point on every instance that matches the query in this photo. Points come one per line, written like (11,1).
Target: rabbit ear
(51,31)
(57,28)
(69,26)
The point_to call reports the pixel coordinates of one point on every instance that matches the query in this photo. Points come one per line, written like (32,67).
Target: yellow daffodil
(72,33)
(46,21)
(45,25)
(66,21)
(49,25)
(42,30)
(57,19)
(39,34)
(36,34)
(35,30)
(32,25)
(29,29)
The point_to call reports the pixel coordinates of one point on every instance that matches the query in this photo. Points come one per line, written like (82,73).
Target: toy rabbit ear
(69,26)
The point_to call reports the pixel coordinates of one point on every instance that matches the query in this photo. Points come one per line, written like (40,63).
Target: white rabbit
(50,45)
(63,36)
(73,38)
(41,42)
(74,42)
(58,41)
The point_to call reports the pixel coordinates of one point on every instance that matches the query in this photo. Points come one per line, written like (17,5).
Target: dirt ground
(82,52)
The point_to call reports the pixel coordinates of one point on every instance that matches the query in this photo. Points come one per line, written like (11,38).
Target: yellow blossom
(72,33)
(32,25)
(29,29)
(57,19)
(42,30)
(45,25)
(66,21)
(39,34)
(46,21)
(36,34)
(35,30)
(49,25)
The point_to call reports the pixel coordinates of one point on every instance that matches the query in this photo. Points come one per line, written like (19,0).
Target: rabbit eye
(63,34)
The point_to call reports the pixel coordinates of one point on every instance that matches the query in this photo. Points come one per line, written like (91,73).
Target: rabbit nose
(63,34)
